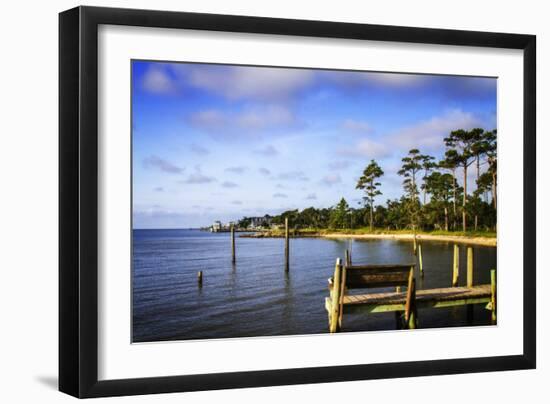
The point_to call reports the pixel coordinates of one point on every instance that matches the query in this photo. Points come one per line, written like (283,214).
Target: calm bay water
(255,297)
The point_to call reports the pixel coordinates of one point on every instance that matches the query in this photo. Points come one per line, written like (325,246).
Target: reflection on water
(255,297)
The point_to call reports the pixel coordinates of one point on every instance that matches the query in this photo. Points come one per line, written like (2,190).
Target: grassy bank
(478,237)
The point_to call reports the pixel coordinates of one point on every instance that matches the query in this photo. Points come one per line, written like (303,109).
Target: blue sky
(219,142)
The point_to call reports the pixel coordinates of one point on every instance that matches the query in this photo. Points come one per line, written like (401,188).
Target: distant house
(216,226)
(260,221)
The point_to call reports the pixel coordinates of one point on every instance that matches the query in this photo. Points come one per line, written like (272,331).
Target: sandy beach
(483,241)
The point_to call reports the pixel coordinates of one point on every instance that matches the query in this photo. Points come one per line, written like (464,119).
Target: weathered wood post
(398,323)
(286,245)
(335,295)
(420,259)
(199,278)
(410,304)
(456,263)
(493,296)
(470,281)
(350,246)
(343,271)
(412,315)
(233,258)
(470,268)
(347,258)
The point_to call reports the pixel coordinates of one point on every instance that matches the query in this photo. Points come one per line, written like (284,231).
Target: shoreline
(476,240)
(484,241)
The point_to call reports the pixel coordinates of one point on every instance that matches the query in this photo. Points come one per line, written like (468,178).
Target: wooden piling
(456,263)
(199,278)
(233,257)
(398,323)
(286,245)
(493,296)
(342,292)
(410,305)
(470,282)
(420,259)
(335,297)
(412,320)
(350,247)
(470,268)
(347,258)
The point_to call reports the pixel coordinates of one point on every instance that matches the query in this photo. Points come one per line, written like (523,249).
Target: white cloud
(198,178)
(311,197)
(252,119)
(236,170)
(229,184)
(396,79)
(210,120)
(261,83)
(293,176)
(339,165)
(357,126)
(199,149)
(264,171)
(157,80)
(280,195)
(357,80)
(429,134)
(267,151)
(161,164)
(426,135)
(366,148)
(265,117)
(238,82)
(331,179)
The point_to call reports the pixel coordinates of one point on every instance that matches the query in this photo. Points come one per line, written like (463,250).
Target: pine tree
(367,182)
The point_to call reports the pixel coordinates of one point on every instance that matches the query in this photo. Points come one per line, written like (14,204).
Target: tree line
(432,199)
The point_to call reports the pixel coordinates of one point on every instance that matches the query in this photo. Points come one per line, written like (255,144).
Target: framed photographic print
(240,196)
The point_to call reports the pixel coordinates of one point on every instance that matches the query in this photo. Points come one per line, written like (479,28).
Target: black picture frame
(78,200)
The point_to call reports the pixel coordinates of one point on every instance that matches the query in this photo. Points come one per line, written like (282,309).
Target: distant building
(216,226)
(260,221)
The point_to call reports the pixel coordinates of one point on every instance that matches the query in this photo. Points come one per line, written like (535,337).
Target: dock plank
(456,293)
(435,298)
(379,266)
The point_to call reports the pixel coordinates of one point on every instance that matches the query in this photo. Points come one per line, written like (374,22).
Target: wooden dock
(407,302)
(432,298)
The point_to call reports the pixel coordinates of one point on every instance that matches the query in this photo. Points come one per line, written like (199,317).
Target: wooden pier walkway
(434,298)
(403,303)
